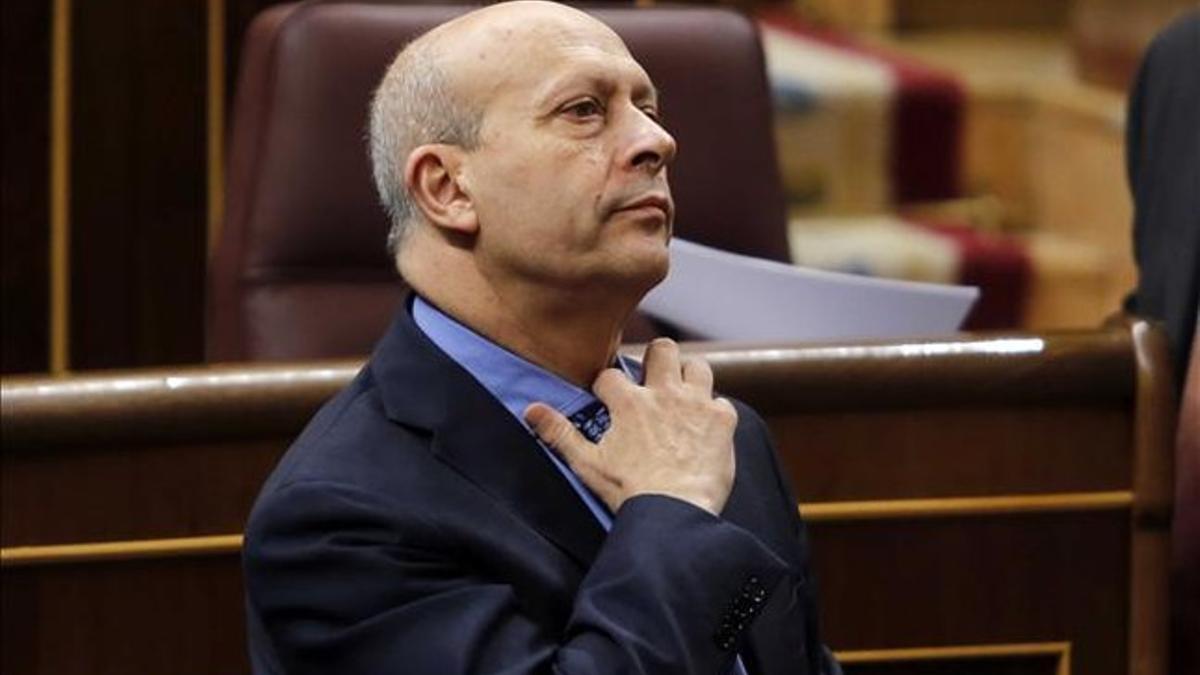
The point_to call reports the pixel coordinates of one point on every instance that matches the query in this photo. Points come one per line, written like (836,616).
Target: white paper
(716,295)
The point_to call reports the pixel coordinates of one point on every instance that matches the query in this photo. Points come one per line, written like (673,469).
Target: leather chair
(300,270)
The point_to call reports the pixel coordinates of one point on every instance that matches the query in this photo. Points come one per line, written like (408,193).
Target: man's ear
(435,185)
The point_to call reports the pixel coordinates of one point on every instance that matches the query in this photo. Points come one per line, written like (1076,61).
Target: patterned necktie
(592,421)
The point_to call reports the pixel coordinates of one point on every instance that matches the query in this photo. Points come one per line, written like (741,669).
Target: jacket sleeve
(821,658)
(345,585)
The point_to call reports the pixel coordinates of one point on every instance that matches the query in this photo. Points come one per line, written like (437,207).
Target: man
(495,492)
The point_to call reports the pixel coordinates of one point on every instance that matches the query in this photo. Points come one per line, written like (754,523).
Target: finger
(556,431)
(610,386)
(698,373)
(662,363)
(726,408)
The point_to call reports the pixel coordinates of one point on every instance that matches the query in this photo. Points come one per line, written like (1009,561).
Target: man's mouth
(651,203)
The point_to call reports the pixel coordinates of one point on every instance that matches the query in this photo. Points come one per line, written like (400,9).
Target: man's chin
(646,265)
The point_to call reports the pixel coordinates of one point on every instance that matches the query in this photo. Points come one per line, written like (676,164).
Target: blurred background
(944,140)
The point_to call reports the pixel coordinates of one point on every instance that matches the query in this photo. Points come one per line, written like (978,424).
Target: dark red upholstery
(300,270)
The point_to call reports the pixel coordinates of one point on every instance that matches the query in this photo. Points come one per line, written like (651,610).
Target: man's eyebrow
(605,83)
(547,94)
(649,91)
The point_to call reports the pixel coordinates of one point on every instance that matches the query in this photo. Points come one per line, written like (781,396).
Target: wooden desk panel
(932,452)
(180,615)
(976,493)
(127,491)
(1020,578)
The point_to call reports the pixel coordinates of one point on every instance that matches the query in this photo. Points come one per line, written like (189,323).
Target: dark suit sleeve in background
(1163,162)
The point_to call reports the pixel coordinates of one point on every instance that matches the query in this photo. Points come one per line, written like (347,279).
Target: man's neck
(573,332)
(561,332)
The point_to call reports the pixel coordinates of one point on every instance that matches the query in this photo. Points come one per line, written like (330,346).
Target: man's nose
(653,148)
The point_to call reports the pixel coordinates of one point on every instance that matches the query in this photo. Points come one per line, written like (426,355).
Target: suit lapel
(473,433)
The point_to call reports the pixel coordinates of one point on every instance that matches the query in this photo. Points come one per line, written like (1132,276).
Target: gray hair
(413,106)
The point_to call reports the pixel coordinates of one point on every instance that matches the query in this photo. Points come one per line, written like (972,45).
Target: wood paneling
(142,143)
(74,452)
(123,492)
(127,490)
(1038,658)
(163,454)
(949,453)
(978,580)
(24,184)
(108,618)
(1037,568)
(1022,665)
(137,176)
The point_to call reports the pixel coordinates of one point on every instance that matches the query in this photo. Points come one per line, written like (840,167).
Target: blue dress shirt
(515,382)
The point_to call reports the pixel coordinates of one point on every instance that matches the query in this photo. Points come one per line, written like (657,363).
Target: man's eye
(584,109)
(652,113)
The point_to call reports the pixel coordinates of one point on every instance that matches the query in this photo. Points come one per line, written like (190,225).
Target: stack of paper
(715,295)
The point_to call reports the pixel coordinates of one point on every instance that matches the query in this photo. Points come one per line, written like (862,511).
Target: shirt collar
(514,381)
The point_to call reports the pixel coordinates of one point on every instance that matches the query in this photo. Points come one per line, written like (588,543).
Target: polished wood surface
(108,551)
(1153,488)
(24,176)
(979,490)
(943,582)
(1083,367)
(131,150)
(1052,658)
(137,242)
(197,403)
(1086,367)
(174,615)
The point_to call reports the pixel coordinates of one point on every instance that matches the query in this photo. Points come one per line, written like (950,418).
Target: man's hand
(668,437)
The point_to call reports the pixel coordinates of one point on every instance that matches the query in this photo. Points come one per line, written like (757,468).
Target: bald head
(439,86)
(414,105)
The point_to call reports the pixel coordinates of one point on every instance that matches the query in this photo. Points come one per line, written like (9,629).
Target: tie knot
(592,421)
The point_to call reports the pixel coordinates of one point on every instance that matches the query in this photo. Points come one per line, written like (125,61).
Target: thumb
(556,431)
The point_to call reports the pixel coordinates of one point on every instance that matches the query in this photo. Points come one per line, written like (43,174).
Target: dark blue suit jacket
(416,527)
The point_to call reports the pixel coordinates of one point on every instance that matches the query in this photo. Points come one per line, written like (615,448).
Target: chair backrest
(300,270)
